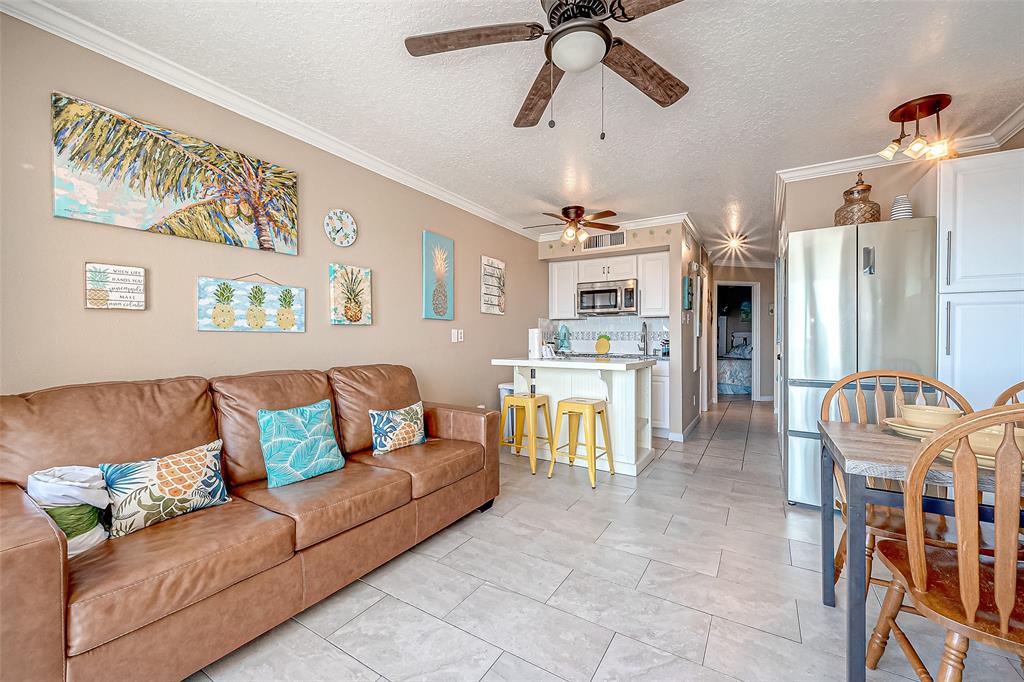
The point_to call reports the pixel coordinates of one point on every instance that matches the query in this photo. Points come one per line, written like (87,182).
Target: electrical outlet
(455,336)
(462,335)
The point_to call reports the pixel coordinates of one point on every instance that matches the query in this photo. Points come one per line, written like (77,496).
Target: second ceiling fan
(578,40)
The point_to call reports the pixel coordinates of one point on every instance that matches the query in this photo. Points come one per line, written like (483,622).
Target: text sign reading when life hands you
(115,287)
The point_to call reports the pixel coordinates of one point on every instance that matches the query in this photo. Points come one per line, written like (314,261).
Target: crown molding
(60,23)
(748,264)
(1010,126)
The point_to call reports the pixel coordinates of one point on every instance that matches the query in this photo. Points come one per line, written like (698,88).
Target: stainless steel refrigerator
(858,297)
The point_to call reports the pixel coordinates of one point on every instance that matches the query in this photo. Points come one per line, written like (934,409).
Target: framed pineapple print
(438,277)
(492,286)
(350,294)
(114,287)
(233,305)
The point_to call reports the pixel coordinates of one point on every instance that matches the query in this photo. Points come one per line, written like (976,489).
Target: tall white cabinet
(981,274)
(562,279)
(653,280)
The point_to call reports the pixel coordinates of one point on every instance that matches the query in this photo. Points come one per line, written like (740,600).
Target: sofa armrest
(467,423)
(33,589)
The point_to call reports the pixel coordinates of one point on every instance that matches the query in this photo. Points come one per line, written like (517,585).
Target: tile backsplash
(623,330)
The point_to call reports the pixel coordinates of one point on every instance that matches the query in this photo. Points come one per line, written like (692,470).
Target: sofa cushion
(432,465)
(357,390)
(86,424)
(298,443)
(334,502)
(131,581)
(394,429)
(236,399)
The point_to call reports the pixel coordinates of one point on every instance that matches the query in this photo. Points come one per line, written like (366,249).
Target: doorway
(737,341)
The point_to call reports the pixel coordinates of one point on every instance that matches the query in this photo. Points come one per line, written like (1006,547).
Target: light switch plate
(455,336)
(462,335)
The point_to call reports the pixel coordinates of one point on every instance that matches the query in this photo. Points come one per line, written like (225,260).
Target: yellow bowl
(929,416)
(984,443)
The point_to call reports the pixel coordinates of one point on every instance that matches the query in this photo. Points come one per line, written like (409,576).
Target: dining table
(862,452)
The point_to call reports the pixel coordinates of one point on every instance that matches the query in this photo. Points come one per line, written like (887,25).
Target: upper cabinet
(562,290)
(981,223)
(653,276)
(607,269)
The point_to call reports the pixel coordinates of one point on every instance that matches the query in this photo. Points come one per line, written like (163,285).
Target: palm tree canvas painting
(112,168)
(438,277)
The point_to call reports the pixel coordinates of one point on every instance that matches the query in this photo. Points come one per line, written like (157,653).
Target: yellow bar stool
(525,406)
(588,409)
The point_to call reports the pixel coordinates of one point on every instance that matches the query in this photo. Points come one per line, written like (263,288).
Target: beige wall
(1016,141)
(48,338)
(766,337)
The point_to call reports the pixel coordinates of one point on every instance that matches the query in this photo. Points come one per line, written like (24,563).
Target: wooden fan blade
(530,227)
(539,96)
(644,73)
(555,215)
(599,226)
(460,39)
(628,10)
(599,215)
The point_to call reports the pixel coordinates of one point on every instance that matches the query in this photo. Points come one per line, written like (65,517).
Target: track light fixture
(915,110)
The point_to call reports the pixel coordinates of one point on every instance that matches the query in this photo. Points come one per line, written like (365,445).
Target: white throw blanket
(68,487)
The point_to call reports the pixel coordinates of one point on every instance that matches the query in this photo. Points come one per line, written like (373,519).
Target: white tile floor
(695,570)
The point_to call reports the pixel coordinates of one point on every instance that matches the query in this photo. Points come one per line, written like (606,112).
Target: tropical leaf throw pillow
(154,490)
(393,429)
(298,443)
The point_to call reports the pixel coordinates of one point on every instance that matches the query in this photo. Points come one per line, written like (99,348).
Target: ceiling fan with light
(576,223)
(578,40)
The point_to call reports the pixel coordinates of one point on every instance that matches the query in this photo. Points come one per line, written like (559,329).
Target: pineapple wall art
(438,277)
(113,168)
(232,305)
(492,286)
(350,294)
(114,287)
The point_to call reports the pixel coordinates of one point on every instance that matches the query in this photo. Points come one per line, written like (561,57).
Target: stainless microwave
(607,298)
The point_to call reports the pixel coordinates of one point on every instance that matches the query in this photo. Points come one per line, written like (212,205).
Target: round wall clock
(340,227)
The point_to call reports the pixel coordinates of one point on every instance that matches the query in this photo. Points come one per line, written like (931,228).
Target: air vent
(603,241)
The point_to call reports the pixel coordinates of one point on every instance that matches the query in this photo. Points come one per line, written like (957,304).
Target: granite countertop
(619,363)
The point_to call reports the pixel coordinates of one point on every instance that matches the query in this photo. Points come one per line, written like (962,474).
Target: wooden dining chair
(882,521)
(972,593)
(1014,395)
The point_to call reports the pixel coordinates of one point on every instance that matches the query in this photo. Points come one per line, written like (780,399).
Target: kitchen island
(624,383)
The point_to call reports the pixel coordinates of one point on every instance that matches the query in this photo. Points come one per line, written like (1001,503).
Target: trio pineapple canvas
(231,305)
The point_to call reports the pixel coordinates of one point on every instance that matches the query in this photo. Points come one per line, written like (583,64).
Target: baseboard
(689,427)
(676,437)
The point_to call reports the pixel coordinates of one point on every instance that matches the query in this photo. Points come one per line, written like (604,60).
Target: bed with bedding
(734,371)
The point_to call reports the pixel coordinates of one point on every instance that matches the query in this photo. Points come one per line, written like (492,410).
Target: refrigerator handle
(949,256)
(949,317)
(868,260)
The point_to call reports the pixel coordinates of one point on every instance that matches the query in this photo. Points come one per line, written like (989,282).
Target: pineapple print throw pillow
(298,443)
(393,429)
(154,490)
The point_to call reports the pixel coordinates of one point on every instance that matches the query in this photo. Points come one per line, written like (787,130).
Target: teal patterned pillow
(154,490)
(393,429)
(298,443)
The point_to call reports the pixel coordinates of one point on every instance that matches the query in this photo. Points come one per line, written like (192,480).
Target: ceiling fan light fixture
(578,45)
(569,234)
(582,235)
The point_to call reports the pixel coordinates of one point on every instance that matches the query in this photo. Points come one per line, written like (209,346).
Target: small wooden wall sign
(115,287)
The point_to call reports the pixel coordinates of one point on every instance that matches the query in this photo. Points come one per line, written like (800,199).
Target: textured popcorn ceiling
(772,85)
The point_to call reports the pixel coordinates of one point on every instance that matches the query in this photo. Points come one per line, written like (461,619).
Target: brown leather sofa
(165,601)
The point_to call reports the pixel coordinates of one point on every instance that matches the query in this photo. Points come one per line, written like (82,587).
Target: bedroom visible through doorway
(735,340)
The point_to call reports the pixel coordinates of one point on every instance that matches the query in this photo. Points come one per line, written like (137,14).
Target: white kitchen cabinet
(653,280)
(980,348)
(562,290)
(981,223)
(607,269)
(660,396)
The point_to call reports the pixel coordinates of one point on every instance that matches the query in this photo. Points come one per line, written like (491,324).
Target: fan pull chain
(602,101)
(551,94)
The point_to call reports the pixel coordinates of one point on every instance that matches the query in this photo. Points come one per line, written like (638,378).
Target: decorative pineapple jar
(857,206)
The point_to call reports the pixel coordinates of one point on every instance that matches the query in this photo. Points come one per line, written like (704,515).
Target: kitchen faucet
(643,339)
